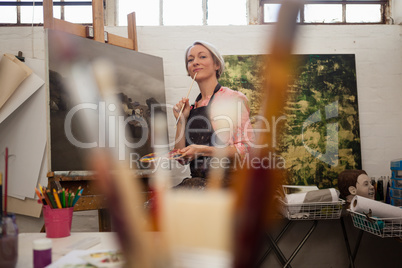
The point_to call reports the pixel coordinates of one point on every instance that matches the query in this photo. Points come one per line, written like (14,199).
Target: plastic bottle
(8,241)
(387,196)
(380,190)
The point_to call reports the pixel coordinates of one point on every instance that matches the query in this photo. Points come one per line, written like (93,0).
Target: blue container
(396,201)
(396,183)
(396,178)
(395,192)
(396,168)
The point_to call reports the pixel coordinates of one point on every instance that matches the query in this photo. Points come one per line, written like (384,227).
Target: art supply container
(8,242)
(57,221)
(42,253)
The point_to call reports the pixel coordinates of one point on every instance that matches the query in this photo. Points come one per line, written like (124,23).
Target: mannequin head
(355,182)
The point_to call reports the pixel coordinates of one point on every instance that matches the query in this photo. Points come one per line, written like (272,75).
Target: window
(195,12)
(184,12)
(145,15)
(22,12)
(331,11)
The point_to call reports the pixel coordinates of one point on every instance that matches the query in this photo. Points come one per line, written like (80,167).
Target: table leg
(262,259)
(273,243)
(359,239)
(278,251)
(345,237)
(104,221)
(287,264)
(351,256)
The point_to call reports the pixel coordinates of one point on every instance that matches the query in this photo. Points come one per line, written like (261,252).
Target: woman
(218,119)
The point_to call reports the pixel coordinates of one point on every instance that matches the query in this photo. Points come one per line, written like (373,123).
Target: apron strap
(218,86)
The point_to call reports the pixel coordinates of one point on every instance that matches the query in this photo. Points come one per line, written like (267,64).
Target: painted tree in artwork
(322,128)
(243,74)
(322,135)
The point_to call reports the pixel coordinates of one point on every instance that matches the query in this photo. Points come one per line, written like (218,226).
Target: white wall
(378,63)
(396,11)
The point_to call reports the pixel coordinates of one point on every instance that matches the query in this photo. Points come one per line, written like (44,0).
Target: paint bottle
(387,195)
(380,190)
(8,241)
(42,252)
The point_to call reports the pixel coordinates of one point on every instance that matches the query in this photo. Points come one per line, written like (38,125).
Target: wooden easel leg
(104,221)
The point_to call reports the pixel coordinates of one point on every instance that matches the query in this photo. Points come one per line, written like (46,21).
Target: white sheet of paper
(76,257)
(29,86)
(24,133)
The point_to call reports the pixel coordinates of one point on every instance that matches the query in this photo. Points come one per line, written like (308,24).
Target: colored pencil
(66,199)
(40,188)
(72,199)
(60,197)
(56,198)
(47,198)
(43,193)
(41,199)
(67,192)
(69,200)
(78,190)
(63,198)
(77,197)
(51,197)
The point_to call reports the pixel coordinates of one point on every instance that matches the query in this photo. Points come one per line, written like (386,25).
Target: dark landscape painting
(321,135)
(139,91)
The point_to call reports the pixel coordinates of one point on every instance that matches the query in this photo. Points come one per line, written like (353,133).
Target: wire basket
(313,211)
(382,227)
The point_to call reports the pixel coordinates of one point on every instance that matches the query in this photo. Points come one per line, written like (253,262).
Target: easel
(90,200)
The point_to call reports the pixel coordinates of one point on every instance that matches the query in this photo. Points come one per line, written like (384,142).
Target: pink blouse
(229,115)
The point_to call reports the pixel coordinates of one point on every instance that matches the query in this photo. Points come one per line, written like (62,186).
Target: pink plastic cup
(57,221)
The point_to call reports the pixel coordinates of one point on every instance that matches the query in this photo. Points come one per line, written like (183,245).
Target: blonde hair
(217,57)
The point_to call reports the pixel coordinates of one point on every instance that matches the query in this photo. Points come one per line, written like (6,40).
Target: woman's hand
(186,109)
(194,151)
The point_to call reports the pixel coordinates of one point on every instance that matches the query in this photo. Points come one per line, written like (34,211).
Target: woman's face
(364,187)
(200,61)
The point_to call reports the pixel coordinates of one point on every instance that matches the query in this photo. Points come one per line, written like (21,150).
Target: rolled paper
(378,209)
(298,203)
(12,73)
(323,195)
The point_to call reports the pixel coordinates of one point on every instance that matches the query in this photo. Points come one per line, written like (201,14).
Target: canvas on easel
(140,85)
(140,91)
(65,166)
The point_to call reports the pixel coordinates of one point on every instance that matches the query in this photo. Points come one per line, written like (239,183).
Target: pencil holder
(57,221)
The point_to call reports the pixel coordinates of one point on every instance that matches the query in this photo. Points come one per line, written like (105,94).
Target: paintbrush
(255,188)
(182,107)
(1,198)
(6,180)
(94,83)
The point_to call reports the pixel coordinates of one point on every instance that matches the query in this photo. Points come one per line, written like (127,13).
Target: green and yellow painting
(321,135)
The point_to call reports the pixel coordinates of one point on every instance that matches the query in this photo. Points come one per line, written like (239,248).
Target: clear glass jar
(8,241)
